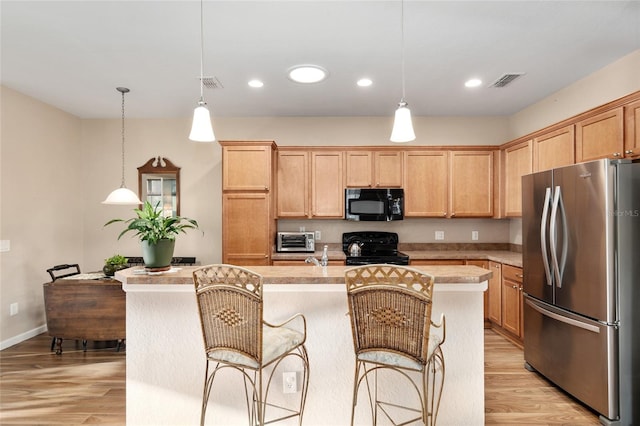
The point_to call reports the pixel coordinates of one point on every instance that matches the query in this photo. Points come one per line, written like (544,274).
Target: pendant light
(402,125)
(122,195)
(201,130)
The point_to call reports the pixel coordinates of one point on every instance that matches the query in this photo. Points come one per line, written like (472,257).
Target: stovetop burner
(376,247)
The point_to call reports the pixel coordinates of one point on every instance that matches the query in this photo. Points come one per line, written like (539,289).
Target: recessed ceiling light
(307,74)
(365,82)
(474,82)
(255,83)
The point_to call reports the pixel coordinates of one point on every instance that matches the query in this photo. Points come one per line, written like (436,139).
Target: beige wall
(612,82)
(62,168)
(41,205)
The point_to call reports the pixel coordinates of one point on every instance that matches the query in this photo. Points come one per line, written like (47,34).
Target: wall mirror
(159,182)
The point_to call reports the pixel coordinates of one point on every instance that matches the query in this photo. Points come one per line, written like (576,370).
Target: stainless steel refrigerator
(581,257)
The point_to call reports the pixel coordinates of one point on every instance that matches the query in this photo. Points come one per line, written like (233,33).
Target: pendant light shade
(201,130)
(402,126)
(122,196)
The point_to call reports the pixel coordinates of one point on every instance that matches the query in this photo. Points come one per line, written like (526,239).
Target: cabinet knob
(616,154)
(519,275)
(496,266)
(444,214)
(629,151)
(453,214)
(514,286)
(521,288)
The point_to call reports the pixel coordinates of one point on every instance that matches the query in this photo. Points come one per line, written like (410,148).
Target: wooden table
(85,309)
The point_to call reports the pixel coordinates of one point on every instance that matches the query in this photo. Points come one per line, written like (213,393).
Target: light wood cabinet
(247,166)
(246,228)
(426,183)
(327,184)
(632,130)
(248,223)
(471,184)
(387,169)
(600,136)
(495,294)
(373,169)
(512,300)
(554,149)
(293,184)
(517,163)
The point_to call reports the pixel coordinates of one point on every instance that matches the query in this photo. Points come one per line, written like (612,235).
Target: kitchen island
(165,355)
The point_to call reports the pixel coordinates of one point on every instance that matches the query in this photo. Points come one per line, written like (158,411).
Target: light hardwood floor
(38,387)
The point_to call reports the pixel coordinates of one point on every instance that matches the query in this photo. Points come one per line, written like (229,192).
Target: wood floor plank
(38,387)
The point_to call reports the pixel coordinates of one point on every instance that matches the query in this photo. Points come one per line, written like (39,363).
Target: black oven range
(374,247)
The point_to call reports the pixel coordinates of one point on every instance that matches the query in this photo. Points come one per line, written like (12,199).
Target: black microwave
(374,204)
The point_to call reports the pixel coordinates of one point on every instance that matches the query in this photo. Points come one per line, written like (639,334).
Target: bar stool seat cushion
(398,360)
(275,342)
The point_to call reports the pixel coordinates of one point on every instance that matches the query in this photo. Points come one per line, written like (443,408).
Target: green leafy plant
(152,226)
(116,260)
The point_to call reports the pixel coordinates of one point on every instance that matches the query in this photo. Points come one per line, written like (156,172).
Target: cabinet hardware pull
(444,214)
(453,214)
(514,286)
(519,275)
(616,154)
(629,151)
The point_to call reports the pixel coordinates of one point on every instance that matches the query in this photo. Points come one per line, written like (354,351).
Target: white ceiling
(73,54)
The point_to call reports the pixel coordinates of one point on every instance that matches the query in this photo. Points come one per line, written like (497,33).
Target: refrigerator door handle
(561,318)
(543,236)
(553,237)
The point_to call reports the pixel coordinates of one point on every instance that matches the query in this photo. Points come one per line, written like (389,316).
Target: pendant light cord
(402,43)
(122,134)
(201,52)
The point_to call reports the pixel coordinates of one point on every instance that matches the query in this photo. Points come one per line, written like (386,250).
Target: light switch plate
(439,235)
(5,245)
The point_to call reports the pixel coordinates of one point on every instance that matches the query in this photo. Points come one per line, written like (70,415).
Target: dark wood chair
(64,270)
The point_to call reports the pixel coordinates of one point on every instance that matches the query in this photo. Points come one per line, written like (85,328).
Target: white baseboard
(22,337)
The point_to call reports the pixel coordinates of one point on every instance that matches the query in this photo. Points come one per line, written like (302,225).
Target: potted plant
(114,263)
(157,234)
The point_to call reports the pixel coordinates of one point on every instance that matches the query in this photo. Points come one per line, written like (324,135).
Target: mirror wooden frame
(155,168)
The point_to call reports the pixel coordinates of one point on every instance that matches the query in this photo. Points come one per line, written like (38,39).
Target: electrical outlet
(318,235)
(289,382)
(302,229)
(439,235)
(13,309)
(474,235)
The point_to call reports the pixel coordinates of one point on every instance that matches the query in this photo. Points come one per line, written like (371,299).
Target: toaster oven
(295,242)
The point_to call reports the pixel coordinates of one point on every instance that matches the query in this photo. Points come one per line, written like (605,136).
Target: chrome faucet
(313,260)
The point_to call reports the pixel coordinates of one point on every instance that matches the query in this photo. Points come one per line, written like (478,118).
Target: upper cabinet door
(426,183)
(471,184)
(387,169)
(554,149)
(517,163)
(359,169)
(247,167)
(293,184)
(632,133)
(601,136)
(327,185)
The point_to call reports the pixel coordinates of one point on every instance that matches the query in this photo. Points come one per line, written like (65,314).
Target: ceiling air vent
(211,83)
(506,79)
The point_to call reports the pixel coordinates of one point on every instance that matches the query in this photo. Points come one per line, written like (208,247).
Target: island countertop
(300,275)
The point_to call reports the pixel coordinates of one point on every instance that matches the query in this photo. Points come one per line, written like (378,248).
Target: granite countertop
(300,274)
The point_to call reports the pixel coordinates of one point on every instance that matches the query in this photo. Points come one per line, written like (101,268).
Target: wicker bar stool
(235,336)
(390,310)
